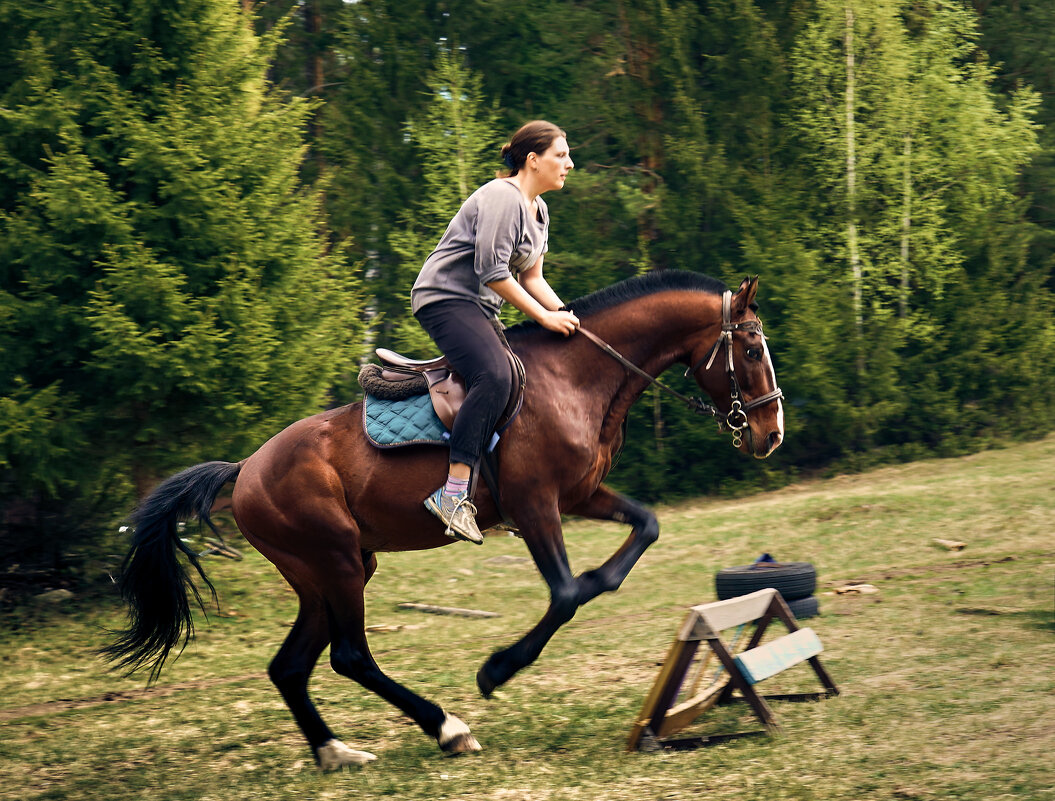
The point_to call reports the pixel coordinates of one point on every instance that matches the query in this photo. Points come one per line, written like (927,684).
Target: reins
(696,404)
(736,420)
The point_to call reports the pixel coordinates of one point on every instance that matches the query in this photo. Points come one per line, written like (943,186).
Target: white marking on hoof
(455,737)
(334,755)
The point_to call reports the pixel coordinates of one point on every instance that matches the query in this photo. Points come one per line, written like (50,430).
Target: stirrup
(470,507)
(434,503)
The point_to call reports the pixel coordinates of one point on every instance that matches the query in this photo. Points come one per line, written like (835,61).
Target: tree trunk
(658,426)
(906,224)
(313,27)
(851,186)
(315,73)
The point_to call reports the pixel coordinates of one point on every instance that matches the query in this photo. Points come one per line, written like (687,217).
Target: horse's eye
(754,353)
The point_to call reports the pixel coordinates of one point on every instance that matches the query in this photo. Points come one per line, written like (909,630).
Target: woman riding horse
(491,252)
(321,502)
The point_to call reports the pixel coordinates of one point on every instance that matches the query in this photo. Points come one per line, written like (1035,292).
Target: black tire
(793,580)
(804,607)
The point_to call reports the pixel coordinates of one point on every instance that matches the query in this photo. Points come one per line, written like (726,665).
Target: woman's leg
(470,343)
(468,339)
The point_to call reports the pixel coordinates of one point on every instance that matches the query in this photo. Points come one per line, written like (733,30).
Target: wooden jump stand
(660,718)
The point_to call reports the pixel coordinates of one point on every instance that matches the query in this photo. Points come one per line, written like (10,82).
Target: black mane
(631,288)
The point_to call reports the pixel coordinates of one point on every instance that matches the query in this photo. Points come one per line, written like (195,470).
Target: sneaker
(458,512)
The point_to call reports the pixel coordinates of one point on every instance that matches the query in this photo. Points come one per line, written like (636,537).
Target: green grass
(947,679)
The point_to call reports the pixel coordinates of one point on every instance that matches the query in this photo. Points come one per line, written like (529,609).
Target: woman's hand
(563,322)
(556,319)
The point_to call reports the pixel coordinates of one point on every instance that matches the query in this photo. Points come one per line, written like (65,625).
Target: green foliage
(382,52)
(166,294)
(455,143)
(1018,37)
(915,157)
(169,291)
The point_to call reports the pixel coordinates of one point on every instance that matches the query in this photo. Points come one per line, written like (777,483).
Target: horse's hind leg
(290,670)
(350,656)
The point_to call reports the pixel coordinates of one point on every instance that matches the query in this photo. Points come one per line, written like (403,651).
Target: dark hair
(532,137)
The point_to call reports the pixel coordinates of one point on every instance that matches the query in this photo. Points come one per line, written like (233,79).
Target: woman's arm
(563,322)
(538,287)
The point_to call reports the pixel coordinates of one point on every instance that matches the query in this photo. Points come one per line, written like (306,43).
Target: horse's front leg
(606,504)
(545,540)
(543,536)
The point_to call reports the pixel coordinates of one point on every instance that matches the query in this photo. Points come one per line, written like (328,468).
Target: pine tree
(1020,40)
(456,145)
(167,293)
(382,52)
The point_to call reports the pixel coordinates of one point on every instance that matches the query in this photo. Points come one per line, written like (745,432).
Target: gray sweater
(493,236)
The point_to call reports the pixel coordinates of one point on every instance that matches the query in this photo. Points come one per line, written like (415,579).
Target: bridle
(735,420)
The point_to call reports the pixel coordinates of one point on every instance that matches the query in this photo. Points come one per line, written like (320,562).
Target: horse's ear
(744,298)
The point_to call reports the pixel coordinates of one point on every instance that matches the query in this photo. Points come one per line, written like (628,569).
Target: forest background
(211,211)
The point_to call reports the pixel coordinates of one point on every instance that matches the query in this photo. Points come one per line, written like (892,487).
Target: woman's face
(553,165)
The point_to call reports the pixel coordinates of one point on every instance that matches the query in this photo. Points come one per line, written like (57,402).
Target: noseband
(736,419)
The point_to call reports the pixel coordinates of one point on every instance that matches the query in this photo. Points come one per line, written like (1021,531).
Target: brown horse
(320,502)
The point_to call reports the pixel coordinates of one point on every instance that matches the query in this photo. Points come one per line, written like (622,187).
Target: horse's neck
(651,336)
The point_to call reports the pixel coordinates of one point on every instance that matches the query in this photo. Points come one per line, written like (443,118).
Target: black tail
(154,583)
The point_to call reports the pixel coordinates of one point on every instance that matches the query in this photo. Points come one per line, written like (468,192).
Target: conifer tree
(383,50)
(456,146)
(1020,40)
(167,293)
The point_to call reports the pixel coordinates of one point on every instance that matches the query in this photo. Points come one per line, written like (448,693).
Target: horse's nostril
(774,440)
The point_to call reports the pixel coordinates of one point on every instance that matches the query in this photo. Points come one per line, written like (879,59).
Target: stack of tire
(795,581)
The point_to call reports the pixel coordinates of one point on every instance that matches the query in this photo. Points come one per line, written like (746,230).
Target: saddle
(400,378)
(400,385)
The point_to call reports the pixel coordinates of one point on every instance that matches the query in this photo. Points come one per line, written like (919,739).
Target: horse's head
(737,372)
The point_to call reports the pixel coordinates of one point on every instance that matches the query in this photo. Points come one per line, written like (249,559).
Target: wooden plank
(768,660)
(709,620)
(739,682)
(681,664)
(789,620)
(701,669)
(686,713)
(447,610)
(675,660)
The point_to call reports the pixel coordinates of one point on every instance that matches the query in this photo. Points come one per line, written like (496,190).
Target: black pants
(470,342)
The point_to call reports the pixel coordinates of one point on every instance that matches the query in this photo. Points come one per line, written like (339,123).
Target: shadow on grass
(1037,619)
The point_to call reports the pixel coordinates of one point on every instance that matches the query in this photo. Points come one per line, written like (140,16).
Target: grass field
(947,673)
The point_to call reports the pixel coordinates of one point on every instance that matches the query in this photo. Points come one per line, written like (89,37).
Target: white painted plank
(768,660)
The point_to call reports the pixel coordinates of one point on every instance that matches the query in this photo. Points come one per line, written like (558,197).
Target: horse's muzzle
(766,445)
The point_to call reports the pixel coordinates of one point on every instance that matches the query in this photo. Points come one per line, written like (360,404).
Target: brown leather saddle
(445,387)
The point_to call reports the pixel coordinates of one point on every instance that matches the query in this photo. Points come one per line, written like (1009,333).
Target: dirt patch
(147,693)
(924,570)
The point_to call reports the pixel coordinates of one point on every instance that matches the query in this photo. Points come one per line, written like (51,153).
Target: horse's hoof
(464,744)
(455,737)
(335,755)
(486,684)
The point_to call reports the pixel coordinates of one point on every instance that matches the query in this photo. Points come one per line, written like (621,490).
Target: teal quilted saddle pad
(392,423)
